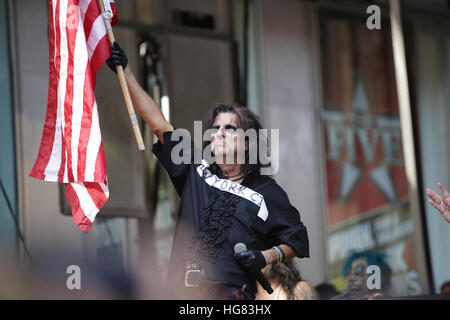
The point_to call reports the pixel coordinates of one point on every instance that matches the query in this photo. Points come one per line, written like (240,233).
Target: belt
(198,277)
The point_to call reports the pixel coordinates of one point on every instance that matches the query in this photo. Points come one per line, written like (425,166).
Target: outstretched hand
(118,57)
(441,203)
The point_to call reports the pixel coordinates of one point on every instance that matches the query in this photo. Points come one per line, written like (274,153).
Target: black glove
(118,57)
(251,260)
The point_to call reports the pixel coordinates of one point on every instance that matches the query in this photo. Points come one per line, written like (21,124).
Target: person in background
(355,269)
(286,283)
(441,203)
(326,291)
(445,288)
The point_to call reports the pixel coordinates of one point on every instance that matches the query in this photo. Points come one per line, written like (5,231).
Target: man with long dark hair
(223,203)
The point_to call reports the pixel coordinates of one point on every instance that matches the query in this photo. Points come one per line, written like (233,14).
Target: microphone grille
(240,247)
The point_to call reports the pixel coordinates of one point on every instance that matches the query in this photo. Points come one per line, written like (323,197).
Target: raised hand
(118,57)
(441,203)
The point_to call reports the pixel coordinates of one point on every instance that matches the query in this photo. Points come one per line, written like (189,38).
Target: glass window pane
(432,50)
(368,214)
(8,192)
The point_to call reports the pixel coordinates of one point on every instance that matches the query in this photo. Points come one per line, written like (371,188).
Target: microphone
(240,247)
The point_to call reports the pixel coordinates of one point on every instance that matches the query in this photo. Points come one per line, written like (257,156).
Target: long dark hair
(287,274)
(247,119)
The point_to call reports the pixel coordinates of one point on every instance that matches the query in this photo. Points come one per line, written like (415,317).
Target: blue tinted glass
(8,190)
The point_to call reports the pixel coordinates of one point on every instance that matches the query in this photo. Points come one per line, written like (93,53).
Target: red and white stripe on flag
(71,149)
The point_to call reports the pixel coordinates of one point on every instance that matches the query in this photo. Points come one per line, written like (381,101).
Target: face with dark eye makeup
(224,138)
(357,278)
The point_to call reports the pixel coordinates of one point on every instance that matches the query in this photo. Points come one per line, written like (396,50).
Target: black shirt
(215,214)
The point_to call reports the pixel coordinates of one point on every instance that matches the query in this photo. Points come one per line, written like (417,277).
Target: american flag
(71,149)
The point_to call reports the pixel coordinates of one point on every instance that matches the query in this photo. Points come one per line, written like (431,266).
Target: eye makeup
(227,127)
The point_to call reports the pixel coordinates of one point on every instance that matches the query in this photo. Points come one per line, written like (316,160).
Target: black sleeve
(177,172)
(284,225)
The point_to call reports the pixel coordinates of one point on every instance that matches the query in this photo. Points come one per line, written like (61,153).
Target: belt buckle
(186,275)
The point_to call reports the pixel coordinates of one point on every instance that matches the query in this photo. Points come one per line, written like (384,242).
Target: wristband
(280,254)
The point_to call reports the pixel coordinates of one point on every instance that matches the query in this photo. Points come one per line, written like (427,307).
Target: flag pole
(123,81)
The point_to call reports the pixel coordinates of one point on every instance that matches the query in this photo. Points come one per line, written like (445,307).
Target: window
(430,53)
(368,204)
(8,184)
